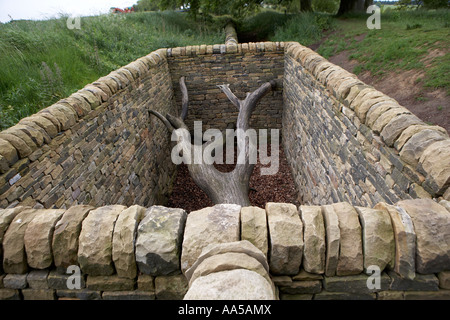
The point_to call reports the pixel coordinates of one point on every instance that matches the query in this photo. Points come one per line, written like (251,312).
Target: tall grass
(43,61)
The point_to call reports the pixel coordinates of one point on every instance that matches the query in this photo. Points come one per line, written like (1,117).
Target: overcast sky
(44,9)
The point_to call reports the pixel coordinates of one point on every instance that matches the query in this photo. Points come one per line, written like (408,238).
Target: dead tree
(221,187)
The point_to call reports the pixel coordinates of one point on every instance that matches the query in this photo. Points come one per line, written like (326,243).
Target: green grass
(43,61)
(403,43)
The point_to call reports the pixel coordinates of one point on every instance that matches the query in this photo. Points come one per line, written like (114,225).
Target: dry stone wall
(97,146)
(244,67)
(155,253)
(346,141)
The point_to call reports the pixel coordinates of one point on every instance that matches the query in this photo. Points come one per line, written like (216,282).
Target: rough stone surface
(427,295)
(444,279)
(171,287)
(9,294)
(14,256)
(6,216)
(238,284)
(128,295)
(422,282)
(82,294)
(95,241)
(254,227)
(303,275)
(124,237)
(324,295)
(38,238)
(286,238)
(37,279)
(378,238)
(15,281)
(431,224)
(216,224)
(333,236)
(302,287)
(59,281)
(243,247)
(228,261)
(158,241)
(355,283)
(395,127)
(434,161)
(413,149)
(350,251)
(65,236)
(38,294)
(109,283)
(405,240)
(314,239)
(145,282)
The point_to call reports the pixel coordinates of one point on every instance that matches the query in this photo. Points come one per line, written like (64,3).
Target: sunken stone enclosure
(83,184)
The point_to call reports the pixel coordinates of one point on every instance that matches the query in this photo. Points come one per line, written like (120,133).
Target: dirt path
(430,105)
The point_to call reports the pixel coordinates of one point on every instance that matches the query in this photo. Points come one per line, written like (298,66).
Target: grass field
(43,61)
(407,40)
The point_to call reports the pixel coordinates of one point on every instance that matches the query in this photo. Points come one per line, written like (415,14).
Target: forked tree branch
(184,99)
(230,95)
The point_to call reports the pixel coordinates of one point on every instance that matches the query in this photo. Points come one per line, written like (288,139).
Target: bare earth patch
(430,105)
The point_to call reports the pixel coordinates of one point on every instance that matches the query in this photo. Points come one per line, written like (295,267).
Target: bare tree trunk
(221,187)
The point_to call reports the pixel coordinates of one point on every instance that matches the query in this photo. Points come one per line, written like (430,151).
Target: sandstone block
(355,284)
(302,287)
(22,148)
(332,239)
(286,238)
(405,240)
(434,161)
(444,279)
(65,236)
(431,224)
(228,261)
(427,295)
(82,294)
(254,227)
(145,282)
(123,244)
(8,152)
(14,256)
(15,281)
(37,279)
(350,259)
(109,283)
(413,149)
(395,127)
(414,129)
(242,247)
(158,241)
(60,281)
(128,295)
(238,284)
(377,110)
(38,294)
(324,295)
(216,224)
(38,238)
(386,117)
(171,287)
(6,217)
(95,241)
(9,294)
(314,239)
(378,238)
(422,282)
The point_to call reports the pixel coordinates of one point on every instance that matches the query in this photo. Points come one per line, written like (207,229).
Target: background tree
(353,6)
